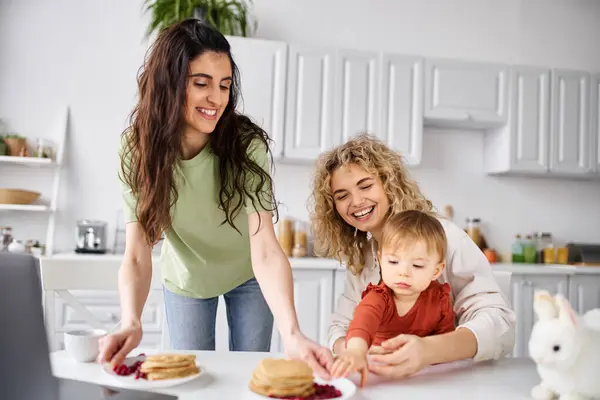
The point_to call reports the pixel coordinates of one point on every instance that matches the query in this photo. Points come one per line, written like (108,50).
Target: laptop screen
(24,350)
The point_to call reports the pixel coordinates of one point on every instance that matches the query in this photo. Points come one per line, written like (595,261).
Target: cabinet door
(570,127)
(357,85)
(402,105)
(595,111)
(465,94)
(584,292)
(310,88)
(529,119)
(262,65)
(313,293)
(523,291)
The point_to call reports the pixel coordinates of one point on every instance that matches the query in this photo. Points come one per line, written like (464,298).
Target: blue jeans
(192,321)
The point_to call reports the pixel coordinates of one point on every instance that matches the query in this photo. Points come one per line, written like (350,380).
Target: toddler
(408,299)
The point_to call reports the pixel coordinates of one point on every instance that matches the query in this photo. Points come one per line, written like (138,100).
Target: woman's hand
(349,362)
(115,347)
(409,355)
(319,358)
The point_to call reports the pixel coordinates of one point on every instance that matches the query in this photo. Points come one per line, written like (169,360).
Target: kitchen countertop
(509,378)
(297,263)
(315,263)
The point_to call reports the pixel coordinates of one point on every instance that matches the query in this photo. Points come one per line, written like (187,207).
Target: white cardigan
(479,304)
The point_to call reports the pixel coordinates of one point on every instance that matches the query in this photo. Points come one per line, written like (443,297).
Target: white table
(228,374)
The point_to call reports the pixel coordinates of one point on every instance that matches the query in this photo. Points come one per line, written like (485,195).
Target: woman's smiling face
(359,197)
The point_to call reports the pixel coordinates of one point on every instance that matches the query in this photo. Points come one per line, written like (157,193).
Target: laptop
(24,351)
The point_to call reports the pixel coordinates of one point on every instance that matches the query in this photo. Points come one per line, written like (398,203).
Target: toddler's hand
(348,362)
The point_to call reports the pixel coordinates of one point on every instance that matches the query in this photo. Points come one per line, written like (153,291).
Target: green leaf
(230,17)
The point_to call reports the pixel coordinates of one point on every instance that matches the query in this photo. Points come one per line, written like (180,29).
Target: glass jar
(286,236)
(548,255)
(474,230)
(300,242)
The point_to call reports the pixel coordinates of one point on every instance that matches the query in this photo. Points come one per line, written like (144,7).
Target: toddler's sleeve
(369,314)
(447,319)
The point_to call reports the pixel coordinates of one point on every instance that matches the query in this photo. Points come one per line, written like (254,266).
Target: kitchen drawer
(104,305)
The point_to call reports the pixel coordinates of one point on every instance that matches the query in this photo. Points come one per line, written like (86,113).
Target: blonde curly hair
(333,236)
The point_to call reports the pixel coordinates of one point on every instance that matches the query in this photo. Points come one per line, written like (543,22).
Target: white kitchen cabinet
(523,291)
(570,123)
(465,94)
(313,296)
(523,144)
(357,94)
(309,102)
(402,105)
(584,293)
(595,127)
(104,306)
(263,68)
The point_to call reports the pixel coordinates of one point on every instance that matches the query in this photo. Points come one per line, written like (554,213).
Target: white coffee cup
(83,344)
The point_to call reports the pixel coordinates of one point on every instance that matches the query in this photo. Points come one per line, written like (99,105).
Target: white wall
(86,54)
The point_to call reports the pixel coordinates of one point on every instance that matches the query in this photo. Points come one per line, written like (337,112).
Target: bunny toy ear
(566,313)
(544,305)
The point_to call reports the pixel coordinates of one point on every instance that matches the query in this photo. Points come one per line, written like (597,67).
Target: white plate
(129,382)
(347,387)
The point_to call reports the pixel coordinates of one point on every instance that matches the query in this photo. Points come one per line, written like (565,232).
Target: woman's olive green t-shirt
(201,256)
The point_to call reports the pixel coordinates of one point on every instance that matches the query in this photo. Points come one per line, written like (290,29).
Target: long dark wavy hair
(152,143)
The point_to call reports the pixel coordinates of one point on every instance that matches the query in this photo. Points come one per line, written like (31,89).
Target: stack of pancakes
(169,366)
(282,378)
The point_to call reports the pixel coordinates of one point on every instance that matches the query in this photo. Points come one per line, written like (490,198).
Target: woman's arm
(341,318)
(480,306)
(135,276)
(273,272)
(274,275)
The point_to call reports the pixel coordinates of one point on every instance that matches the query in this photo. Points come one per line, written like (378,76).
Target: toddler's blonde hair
(411,226)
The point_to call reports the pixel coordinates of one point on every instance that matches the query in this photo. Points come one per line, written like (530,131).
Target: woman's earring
(355,231)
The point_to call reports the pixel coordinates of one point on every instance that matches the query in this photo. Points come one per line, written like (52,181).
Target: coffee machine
(90,237)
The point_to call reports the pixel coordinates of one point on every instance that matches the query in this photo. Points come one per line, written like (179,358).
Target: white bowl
(83,344)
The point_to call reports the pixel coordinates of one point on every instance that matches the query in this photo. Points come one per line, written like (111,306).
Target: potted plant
(15,144)
(230,17)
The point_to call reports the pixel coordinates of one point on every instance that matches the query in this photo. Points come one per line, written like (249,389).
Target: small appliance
(90,236)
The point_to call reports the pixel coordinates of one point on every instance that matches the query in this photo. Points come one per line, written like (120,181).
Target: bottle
(529,250)
(517,250)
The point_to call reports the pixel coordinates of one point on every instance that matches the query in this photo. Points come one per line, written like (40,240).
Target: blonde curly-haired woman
(356,187)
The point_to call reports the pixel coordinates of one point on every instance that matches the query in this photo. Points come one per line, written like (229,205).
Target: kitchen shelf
(24,207)
(55,164)
(29,161)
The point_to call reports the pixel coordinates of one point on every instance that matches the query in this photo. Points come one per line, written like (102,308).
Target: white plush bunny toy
(566,349)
